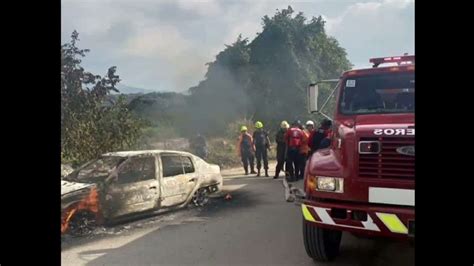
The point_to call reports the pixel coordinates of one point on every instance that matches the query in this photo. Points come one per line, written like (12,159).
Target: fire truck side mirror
(313,98)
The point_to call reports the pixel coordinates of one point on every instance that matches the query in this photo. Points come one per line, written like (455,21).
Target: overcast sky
(164,45)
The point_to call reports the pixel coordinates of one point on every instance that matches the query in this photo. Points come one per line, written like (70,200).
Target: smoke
(217,101)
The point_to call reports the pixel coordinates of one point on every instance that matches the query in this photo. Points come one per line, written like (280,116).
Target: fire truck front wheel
(321,244)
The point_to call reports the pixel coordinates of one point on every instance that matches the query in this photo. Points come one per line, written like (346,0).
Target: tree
(91,124)
(288,55)
(265,79)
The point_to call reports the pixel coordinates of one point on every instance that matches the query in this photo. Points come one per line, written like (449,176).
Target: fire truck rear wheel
(321,244)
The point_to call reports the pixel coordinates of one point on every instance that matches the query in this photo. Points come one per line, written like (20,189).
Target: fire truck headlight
(330,184)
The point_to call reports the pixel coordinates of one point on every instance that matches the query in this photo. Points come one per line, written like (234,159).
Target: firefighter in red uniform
(309,131)
(246,150)
(305,149)
(294,139)
(319,138)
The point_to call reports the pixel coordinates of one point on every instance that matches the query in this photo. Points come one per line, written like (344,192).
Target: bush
(223,153)
(154,134)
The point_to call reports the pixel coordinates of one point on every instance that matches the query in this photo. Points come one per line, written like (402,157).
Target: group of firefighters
(295,144)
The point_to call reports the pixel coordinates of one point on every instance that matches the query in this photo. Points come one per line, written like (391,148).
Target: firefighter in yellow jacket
(261,142)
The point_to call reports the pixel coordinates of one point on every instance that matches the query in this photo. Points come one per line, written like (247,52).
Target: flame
(90,203)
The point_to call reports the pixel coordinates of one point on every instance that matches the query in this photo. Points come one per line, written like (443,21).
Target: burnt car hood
(69,186)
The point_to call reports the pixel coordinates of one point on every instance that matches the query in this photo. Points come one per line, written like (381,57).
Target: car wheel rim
(82,225)
(200,198)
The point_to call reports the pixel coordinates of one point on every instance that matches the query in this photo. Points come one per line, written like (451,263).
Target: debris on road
(228,197)
(292,193)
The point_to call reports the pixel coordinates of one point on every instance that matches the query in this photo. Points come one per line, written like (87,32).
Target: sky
(164,45)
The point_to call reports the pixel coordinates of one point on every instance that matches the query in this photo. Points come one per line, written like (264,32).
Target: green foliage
(160,108)
(223,153)
(91,123)
(152,134)
(289,54)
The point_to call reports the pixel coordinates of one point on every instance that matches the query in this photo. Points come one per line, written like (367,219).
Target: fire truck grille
(388,163)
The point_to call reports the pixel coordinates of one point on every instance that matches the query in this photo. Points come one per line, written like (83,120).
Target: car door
(175,182)
(191,175)
(136,188)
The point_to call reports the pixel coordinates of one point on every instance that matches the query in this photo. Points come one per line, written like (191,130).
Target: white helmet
(309,123)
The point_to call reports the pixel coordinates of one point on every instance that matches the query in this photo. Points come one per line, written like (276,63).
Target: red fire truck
(364,183)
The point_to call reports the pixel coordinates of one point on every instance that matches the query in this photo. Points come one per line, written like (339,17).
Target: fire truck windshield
(376,94)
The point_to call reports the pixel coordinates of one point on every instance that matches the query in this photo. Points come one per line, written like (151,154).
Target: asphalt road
(256,227)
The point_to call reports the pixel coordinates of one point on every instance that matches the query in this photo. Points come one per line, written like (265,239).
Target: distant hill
(151,101)
(125,89)
(128,97)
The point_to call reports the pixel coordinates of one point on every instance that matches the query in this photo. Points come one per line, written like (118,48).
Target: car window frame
(192,164)
(155,166)
(163,165)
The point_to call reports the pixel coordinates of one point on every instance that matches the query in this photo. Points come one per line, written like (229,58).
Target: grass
(223,153)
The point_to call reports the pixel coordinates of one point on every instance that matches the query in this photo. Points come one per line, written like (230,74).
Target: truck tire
(359,236)
(321,244)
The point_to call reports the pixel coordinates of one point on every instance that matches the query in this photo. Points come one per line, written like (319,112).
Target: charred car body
(120,184)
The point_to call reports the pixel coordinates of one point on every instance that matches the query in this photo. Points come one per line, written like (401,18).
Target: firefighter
(305,149)
(294,139)
(200,146)
(261,143)
(246,150)
(281,147)
(326,141)
(324,132)
(309,127)
(309,132)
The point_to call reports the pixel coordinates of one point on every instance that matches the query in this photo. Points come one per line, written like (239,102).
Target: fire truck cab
(364,183)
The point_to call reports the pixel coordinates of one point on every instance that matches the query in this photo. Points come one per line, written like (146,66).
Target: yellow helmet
(243,128)
(258,124)
(284,124)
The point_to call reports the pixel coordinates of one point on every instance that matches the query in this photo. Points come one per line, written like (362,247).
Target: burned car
(121,184)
